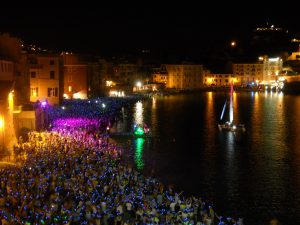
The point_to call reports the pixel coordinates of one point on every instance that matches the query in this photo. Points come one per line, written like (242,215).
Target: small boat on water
(141,130)
(229,125)
(138,130)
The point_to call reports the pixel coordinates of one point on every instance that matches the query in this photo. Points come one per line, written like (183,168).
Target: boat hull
(232,127)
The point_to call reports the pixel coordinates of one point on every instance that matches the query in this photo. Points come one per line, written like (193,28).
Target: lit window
(70,88)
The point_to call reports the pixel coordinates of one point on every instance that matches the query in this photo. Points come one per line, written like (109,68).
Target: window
(51,62)
(52,74)
(52,92)
(34,92)
(33,74)
(49,92)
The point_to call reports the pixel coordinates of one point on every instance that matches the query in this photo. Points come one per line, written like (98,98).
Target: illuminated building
(44,74)
(184,76)
(294,61)
(219,80)
(266,70)
(248,72)
(75,76)
(160,75)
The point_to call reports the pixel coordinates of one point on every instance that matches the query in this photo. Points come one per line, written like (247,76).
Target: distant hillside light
(233,44)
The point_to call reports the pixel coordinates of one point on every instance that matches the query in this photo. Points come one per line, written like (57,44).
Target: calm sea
(256,176)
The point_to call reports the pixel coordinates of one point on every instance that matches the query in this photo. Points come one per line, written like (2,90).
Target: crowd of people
(72,174)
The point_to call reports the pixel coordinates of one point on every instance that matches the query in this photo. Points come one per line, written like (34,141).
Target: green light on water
(139,144)
(139,131)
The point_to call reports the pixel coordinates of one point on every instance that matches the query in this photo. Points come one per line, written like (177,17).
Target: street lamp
(139,85)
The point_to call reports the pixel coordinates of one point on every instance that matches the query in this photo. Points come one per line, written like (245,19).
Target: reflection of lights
(138,115)
(139,143)
(103,105)
(63,107)
(153,102)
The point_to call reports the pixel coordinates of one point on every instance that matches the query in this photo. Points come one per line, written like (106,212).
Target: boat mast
(223,110)
(231,104)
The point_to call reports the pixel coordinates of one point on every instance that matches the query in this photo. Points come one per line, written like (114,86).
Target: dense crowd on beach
(71,174)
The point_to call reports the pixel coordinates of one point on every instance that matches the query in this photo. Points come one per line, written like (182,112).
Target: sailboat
(229,125)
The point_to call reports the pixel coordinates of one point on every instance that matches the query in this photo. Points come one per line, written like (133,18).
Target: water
(256,177)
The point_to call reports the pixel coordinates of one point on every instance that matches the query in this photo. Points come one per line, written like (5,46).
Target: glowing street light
(139,85)
(1,123)
(233,44)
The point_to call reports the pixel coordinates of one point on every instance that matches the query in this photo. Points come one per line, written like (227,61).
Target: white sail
(224,107)
(231,104)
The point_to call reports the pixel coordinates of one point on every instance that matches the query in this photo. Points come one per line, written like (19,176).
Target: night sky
(177,29)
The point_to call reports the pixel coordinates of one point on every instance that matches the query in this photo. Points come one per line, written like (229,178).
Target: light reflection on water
(139,145)
(256,178)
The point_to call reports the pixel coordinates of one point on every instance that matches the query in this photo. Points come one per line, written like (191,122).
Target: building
(126,73)
(184,76)
(160,75)
(271,68)
(75,82)
(45,71)
(264,71)
(220,80)
(294,61)
(7,70)
(247,73)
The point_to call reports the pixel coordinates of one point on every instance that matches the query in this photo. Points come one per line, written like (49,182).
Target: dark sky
(178,28)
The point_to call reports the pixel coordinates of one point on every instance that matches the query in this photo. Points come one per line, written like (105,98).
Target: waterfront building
(184,76)
(45,71)
(294,61)
(264,71)
(220,80)
(160,75)
(75,82)
(247,73)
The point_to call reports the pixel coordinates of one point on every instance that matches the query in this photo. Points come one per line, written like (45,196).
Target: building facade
(44,75)
(6,70)
(220,80)
(184,76)
(247,73)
